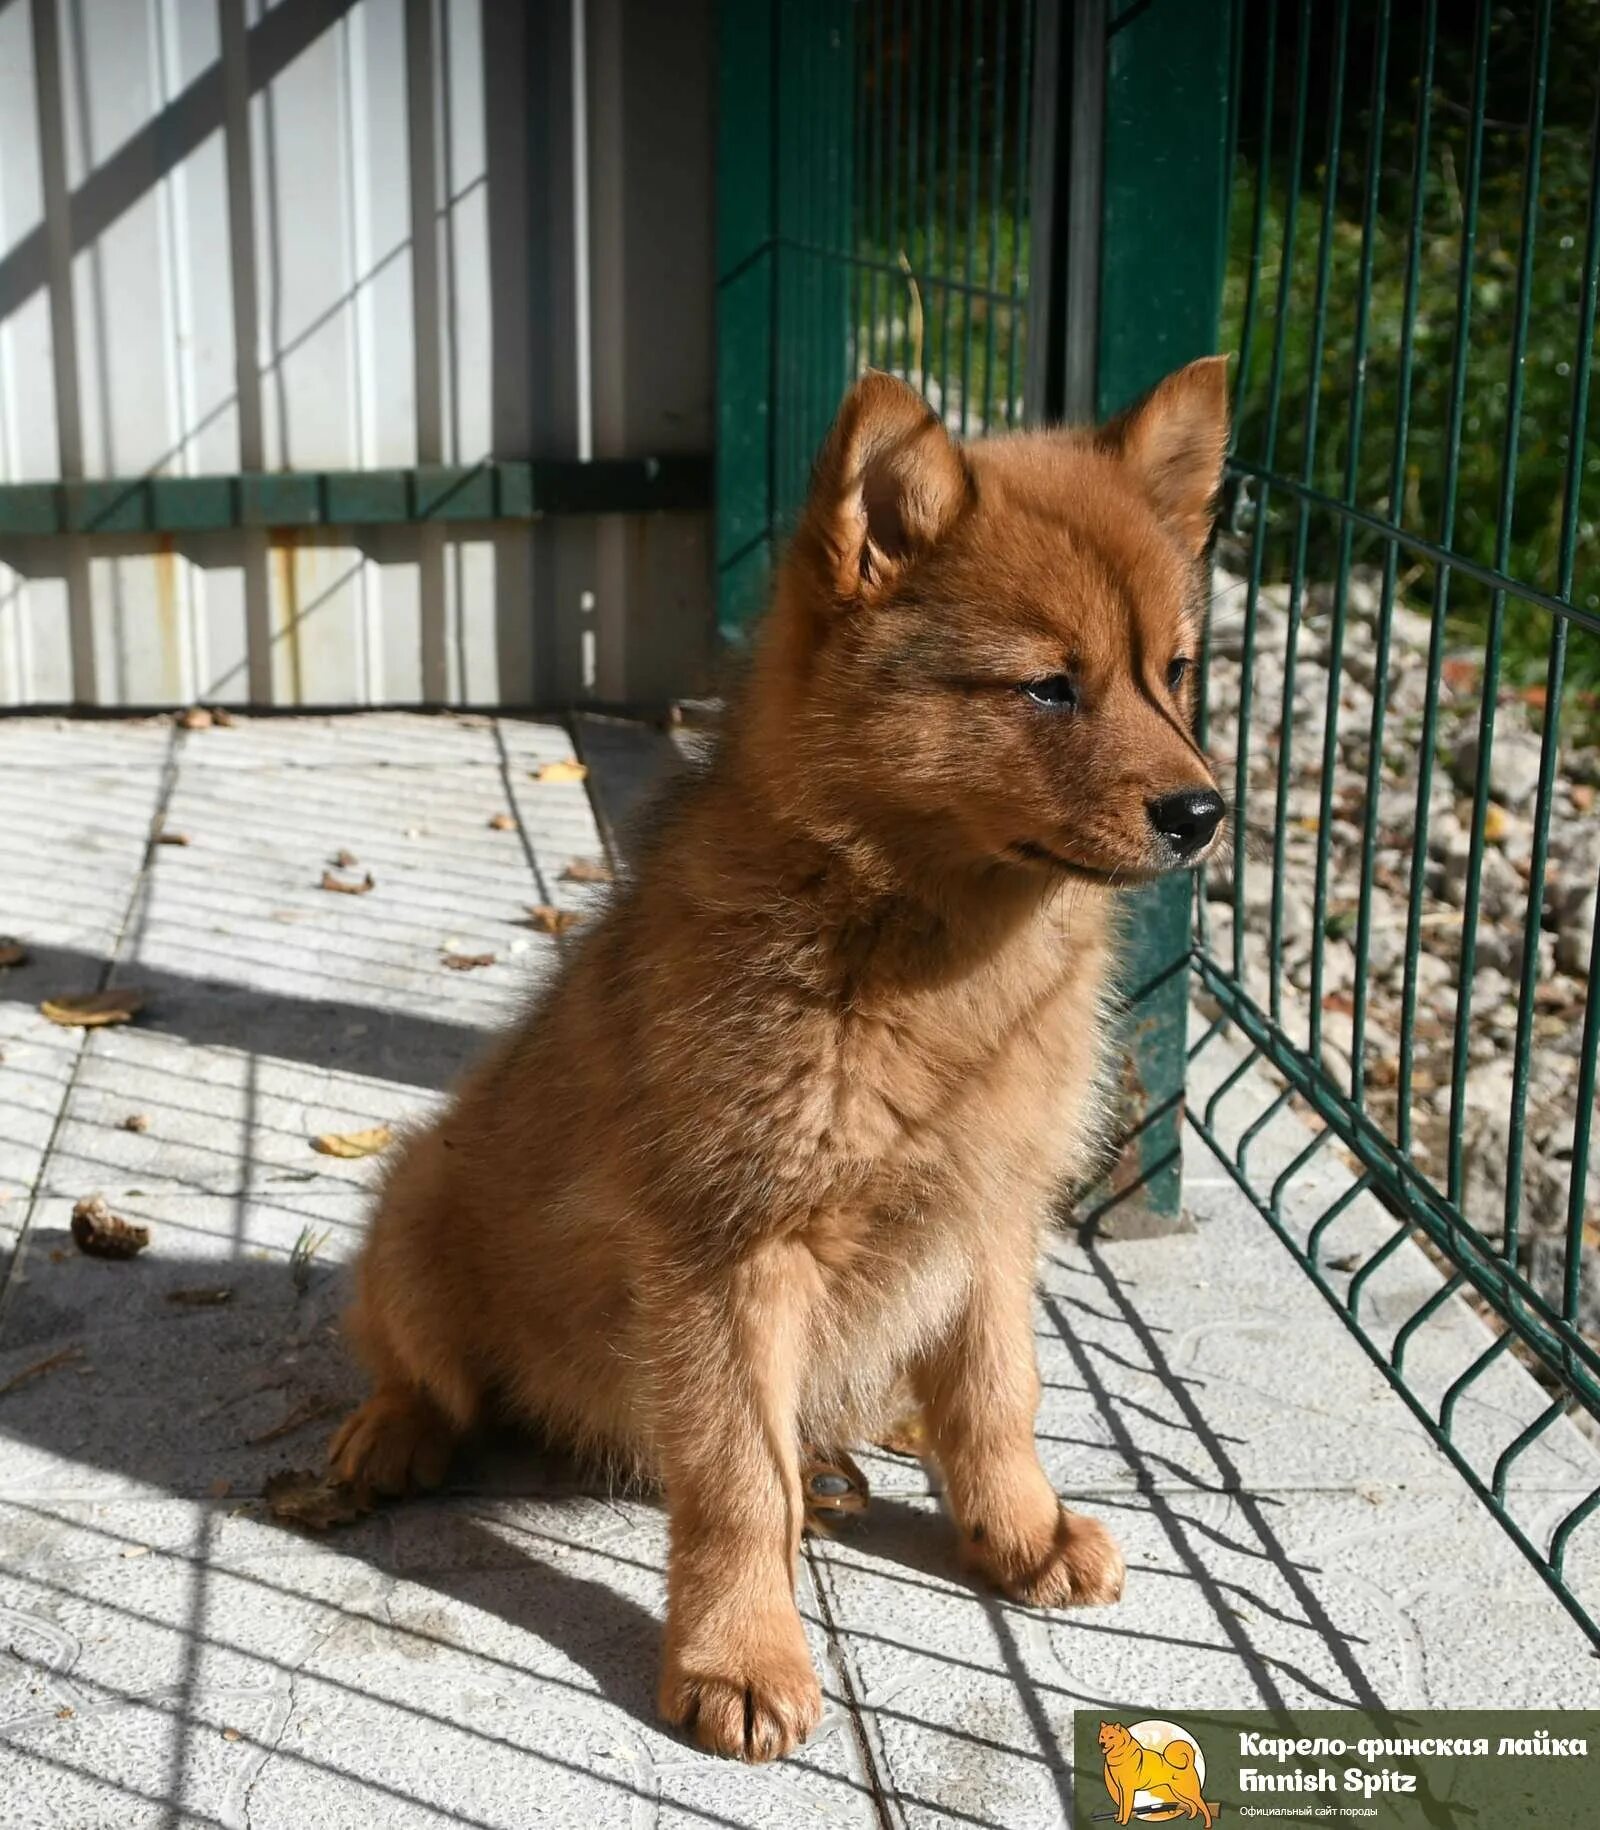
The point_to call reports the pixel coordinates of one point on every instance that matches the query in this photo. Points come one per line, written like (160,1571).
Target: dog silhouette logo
(1154,1771)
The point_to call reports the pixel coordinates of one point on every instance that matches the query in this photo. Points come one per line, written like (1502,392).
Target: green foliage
(1517,528)
(939,232)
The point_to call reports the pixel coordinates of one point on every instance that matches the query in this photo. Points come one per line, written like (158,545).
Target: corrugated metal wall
(338,234)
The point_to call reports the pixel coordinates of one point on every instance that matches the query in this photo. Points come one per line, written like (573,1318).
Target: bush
(1322,383)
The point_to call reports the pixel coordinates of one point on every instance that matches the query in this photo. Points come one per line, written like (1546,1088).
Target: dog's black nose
(1186,820)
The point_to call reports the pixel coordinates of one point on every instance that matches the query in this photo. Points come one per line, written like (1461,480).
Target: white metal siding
(308,234)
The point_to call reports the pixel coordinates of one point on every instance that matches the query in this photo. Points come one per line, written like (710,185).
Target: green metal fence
(1024,207)
(874,214)
(1412,291)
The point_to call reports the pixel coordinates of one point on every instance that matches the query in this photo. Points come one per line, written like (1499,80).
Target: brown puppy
(781,1136)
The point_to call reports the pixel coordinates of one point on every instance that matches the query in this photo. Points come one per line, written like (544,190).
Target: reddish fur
(782,1135)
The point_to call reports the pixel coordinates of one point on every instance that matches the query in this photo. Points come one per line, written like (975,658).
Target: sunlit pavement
(487,1657)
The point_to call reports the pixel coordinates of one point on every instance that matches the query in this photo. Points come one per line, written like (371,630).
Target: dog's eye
(1177,673)
(1058,692)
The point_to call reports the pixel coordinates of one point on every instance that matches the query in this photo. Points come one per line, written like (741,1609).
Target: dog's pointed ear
(1174,440)
(889,483)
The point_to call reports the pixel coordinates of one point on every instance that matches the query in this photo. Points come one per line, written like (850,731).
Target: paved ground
(168,1655)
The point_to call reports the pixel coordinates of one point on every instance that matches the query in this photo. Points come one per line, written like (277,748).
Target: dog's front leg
(736,1671)
(979,1393)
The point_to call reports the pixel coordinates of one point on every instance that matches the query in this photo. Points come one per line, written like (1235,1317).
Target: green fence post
(747,256)
(785,244)
(1163,158)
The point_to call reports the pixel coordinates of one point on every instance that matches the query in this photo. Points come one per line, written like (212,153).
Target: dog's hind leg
(422,1403)
(425,1393)
(399,1439)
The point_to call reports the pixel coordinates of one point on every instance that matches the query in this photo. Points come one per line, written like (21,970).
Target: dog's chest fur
(890,1085)
(897,1074)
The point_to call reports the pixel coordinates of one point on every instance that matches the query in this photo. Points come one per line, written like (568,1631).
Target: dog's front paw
(1067,1561)
(755,1708)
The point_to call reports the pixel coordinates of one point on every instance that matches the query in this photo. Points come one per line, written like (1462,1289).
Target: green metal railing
(507,490)
(874,214)
(1412,291)
(1390,213)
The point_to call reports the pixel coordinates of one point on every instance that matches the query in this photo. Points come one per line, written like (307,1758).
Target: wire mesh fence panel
(874,159)
(1403,685)
(939,233)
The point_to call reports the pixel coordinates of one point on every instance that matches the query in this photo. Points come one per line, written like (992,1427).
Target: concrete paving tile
(83,745)
(488,1657)
(1501,1401)
(242,903)
(36,1064)
(629,763)
(409,741)
(161,1387)
(560,830)
(495,1667)
(529,743)
(1305,1598)
(1308,1599)
(1164,1365)
(222,1120)
(72,842)
(193,1234)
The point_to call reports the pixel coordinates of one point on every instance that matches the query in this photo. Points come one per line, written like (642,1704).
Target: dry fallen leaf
(569,769)
(231,1734)
(1496,823)
(65,1713)
(545,920)
(466,962)
(166,836)
(353,1143)
(203,1296)
(315,1502)
(93,1009)
(135,1121)
(344,860)
(345,887)
(312,1409)
(50,1363)
(502,822)
(136,1550)
(587,870)
(220,715)
(12,951)
(100,1234)
(197,718)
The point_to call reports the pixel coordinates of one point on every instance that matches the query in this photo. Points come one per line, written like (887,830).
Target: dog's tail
(1178,1754)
